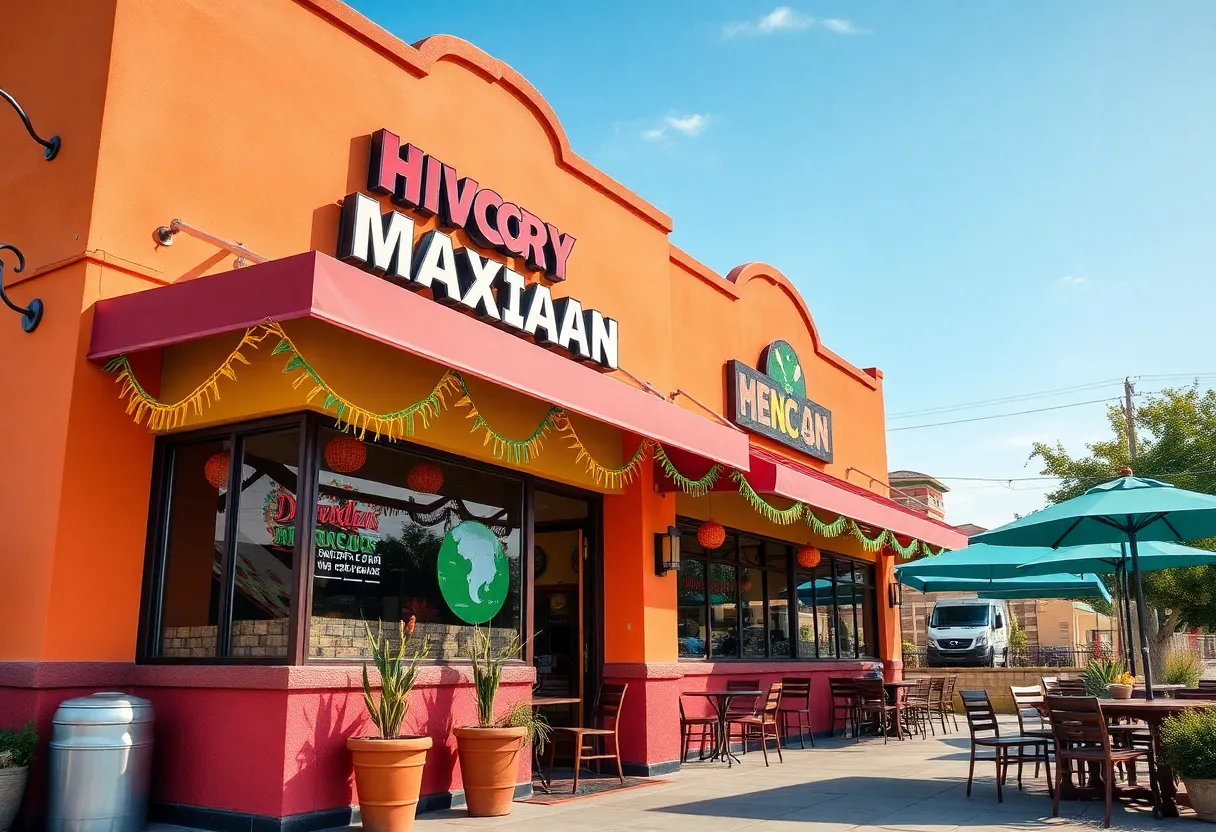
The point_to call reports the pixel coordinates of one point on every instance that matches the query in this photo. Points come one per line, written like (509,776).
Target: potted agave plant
(489,751)
(1188,744)
(388,768)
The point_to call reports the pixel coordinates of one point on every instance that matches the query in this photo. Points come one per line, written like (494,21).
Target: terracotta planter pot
(1202,794)
(1119,691)
(489,766)
(12,789)
(388,777)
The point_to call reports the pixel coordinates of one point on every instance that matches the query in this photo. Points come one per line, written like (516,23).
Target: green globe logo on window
(474,575)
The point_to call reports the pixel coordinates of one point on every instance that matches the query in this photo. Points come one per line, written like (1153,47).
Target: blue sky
(984,200)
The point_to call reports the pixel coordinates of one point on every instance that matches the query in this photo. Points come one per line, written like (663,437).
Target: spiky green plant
(398,673)
(487,663)
(1100,673)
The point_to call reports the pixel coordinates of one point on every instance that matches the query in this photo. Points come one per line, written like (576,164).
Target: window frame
(729,554)
(310,425)
(152,592)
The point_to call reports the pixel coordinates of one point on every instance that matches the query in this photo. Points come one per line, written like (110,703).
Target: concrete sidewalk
(917,785)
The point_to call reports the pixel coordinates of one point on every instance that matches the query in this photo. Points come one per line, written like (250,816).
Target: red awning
(314,285)
(770,474)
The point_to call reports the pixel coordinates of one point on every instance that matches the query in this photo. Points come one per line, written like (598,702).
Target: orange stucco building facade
(257,123)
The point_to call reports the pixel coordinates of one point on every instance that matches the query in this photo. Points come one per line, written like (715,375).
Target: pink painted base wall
(271,741)
(267,741)
(650,727)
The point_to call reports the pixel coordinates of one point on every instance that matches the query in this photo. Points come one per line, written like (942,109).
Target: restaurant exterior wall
(252,121)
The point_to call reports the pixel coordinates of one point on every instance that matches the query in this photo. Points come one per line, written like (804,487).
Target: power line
(1042,394)
(1005,400)
(1001,415)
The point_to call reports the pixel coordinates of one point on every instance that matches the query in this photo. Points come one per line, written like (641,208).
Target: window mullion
(223,623)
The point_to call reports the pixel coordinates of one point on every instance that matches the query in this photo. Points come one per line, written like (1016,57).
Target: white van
(968,632)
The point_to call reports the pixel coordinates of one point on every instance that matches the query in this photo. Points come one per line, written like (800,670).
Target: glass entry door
(563,603)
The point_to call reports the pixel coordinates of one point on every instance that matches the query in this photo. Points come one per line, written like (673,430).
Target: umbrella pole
(1140,616)
(1125,632)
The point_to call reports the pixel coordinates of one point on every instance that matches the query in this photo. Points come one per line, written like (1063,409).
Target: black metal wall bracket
(31,315)
(51,144)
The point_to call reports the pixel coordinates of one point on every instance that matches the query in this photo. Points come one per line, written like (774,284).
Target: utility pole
(1129,410)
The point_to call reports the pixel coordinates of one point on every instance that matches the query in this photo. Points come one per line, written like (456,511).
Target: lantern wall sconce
(895,594)
(52,144)
(31,315)
(667,551)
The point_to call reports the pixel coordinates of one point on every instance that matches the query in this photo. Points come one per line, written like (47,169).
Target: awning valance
(314,285)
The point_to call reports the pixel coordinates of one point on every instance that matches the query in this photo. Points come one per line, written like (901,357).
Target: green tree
(1176,443)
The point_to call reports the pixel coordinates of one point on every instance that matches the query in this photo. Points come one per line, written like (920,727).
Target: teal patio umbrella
(977,560)
(1044,586)
(1126,510)
(1112,558)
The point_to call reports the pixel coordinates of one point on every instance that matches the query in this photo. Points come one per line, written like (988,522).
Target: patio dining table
(1153,714)
(895,696)
(721,699)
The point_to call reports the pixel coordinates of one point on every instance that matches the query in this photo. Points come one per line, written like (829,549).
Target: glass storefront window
(723,610)
(749,612)
(265,554)
(691,612)
(194,552)
(384,552)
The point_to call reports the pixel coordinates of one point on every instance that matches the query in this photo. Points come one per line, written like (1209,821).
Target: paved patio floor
(917,786)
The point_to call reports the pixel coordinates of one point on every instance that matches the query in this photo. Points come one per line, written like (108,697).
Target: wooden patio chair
(1030,704)
(1051,685)
(981,721)
(917,705)
(1082,739)
(1209,685)
(1071,687)
(707,725)
(607,709)
(945,705)
(872,701)
(1196,693)
(844,704)
(759,725)
(796,705)
(742,705)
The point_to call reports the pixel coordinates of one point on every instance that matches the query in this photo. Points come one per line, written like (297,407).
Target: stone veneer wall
(250,639)
(995,680)
(330,638)
(346,638)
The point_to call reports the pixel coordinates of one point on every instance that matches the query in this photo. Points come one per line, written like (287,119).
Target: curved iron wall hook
(51,144)
(31,315)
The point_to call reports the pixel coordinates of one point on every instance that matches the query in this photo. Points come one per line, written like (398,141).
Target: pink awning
(314,285)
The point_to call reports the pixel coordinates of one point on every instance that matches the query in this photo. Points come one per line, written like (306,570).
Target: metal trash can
(100,764)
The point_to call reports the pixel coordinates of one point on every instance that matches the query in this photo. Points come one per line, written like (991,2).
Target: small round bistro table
(721,699)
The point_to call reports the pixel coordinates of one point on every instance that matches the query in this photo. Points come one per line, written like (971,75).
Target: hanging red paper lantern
(745,585)
(809,557)
(425,478)
(216,470)
(345,454)
(711,535)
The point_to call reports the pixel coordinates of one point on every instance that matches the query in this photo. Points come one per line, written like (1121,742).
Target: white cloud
(780,19)
(1071,280)
(686,125)
(843,27)
(787,19)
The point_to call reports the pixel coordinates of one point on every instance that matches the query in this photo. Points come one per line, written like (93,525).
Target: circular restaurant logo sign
(473,572)
(781,364)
